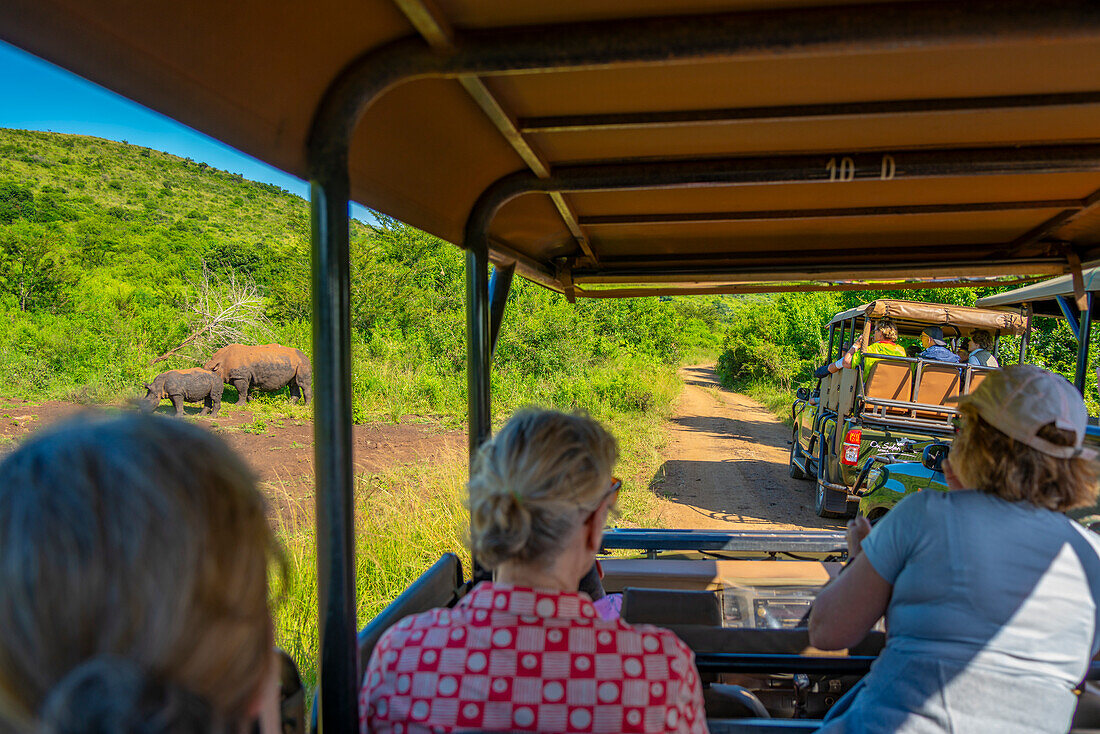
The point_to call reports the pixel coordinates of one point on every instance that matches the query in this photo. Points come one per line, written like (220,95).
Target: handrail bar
(889,403)
(741,662)
(806,541)
(905,422)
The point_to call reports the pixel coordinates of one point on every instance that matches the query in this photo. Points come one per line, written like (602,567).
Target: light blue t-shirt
(992,621)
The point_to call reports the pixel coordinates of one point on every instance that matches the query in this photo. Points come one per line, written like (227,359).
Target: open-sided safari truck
(1057,298)
(608,149)
(891,411)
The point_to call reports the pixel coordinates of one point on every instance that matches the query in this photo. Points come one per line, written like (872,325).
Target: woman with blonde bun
(134,557)
(990,592)
(527,651)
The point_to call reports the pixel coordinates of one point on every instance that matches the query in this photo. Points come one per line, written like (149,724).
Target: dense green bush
(102,253)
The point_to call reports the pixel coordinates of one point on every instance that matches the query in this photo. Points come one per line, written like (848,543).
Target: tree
(224,310)
(32,263)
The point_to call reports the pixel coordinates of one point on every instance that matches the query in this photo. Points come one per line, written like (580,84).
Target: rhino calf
(269,367)
(185,386)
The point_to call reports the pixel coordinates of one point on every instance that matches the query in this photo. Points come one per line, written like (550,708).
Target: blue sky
(40,96)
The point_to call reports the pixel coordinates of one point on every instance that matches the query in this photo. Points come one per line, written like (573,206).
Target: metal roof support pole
(1071,320)
(1084,331)
(478,357)
(337,673)
(500,284)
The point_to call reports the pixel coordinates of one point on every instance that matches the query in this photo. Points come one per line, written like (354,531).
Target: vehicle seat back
(671,606)
(830,387)
(889,381)
(439,586)
(977,375)
(938,382)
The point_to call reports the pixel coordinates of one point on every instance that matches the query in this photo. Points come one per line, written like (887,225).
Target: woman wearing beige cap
(990,592)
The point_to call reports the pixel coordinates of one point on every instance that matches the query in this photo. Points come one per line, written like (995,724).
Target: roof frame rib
(733,115)
(761,215)
(437,31)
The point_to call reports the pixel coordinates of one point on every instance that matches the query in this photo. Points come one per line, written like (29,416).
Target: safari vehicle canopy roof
(912,316)
(1044,297)
(718,142)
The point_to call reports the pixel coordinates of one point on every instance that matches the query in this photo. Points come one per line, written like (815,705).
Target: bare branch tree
(224,310)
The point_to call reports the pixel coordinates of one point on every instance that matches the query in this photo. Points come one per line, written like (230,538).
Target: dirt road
(726,464)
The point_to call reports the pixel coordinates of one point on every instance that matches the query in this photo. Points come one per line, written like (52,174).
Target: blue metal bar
(1067,311)
(792,541)
(499,285)
(766,663)
(1084,331)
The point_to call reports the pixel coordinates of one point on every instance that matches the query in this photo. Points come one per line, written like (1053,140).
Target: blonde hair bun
(531,481)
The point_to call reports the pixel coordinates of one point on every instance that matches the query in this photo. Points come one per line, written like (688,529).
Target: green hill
(108,249)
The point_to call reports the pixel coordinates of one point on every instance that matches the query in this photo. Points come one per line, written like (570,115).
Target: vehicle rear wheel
(820,492)
(796,455)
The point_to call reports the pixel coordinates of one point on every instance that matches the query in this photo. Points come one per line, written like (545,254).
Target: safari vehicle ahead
(891,411)
(627,149)
(1057,298)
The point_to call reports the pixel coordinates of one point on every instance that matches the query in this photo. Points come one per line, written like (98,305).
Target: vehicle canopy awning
(709,143)
(912,316)
(1043,297)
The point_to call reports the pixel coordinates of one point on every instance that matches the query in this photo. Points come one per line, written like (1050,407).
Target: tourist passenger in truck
(982,354)
(884,341)
(935,348)
(134,583)
(990,592)
(526,651)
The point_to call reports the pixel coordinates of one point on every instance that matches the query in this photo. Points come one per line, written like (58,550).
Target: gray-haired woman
(527,651)
(134,555)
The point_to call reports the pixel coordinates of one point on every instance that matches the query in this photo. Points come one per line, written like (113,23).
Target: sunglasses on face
(616,485)
(613,490)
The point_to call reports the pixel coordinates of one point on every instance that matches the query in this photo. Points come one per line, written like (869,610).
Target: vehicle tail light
(850,454)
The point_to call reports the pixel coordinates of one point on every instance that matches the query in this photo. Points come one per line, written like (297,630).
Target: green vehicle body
(889,483)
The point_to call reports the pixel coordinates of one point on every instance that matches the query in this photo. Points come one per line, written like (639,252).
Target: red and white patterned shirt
(516,659)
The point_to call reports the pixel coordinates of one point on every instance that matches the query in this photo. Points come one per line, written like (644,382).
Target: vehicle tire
(819,489)
(796,453)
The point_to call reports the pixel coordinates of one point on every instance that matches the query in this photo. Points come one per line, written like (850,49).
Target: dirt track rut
(726,464)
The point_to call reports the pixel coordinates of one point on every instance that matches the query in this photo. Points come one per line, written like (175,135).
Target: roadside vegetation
(116,261)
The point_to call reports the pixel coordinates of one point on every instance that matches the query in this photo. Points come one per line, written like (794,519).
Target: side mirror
(933,456)
(802,393)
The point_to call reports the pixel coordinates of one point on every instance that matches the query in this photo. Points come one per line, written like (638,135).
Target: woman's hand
(949,476)
(858,529)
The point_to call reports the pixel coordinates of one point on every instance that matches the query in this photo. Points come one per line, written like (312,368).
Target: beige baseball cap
(1020,399)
